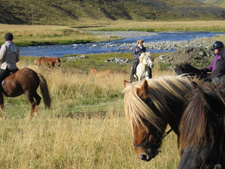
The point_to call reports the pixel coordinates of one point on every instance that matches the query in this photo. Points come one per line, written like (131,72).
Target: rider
(137,50)
(9,55)
(217,67)
(217,49)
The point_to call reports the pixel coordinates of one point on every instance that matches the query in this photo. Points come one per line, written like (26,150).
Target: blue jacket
(137,52)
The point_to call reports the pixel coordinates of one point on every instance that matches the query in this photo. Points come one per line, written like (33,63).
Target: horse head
(147,135)
(151,105)
(146,58)
(58,61)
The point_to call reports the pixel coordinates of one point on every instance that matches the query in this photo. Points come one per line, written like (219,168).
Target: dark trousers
(133,71)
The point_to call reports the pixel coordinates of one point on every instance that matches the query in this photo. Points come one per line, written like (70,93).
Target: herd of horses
(193,107)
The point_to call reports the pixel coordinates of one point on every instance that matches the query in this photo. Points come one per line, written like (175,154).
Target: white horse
(145,61)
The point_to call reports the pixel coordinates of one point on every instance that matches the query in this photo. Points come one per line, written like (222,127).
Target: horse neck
(175,115)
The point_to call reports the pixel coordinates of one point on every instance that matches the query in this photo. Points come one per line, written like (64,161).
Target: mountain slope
(220,3)
(69,11)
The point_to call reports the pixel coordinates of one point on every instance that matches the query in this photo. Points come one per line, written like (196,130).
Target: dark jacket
(220,66)
(137,52)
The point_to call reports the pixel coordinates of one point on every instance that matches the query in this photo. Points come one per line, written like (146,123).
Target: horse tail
(44,91)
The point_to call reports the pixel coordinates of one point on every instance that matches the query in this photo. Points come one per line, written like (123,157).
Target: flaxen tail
(44,91)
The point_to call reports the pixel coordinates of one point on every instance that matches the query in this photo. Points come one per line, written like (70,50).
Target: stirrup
(218,166)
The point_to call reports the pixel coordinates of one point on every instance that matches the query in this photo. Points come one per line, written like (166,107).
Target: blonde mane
(172,87)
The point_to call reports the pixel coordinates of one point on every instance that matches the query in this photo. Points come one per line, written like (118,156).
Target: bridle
(156,142)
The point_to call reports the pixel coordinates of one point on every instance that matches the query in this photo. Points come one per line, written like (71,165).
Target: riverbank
(33,35)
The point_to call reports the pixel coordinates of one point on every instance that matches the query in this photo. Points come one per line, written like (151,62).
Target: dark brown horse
(202,135)
(188,70)
(26,81)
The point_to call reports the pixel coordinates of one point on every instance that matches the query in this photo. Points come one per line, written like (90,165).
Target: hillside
(220,3)
(64,12)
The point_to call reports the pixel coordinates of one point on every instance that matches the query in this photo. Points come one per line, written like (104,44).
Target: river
(154,42)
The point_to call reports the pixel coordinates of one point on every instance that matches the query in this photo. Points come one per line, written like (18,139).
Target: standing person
(137,50)
(9,55)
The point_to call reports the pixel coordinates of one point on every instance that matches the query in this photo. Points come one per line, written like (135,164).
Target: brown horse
(48,61)
(151,105)
(26,81)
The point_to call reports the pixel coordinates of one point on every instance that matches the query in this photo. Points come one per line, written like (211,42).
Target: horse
(145,61)
(202,133)
(49,61)
(189,70)
(26,81)
(150,106)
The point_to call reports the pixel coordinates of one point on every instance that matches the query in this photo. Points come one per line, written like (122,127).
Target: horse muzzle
(149,156)
(151,66)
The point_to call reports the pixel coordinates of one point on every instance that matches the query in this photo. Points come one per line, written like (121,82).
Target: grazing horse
(189,70)
(145,61)
(151,105)
(202,134)
(49,61)
(26,81)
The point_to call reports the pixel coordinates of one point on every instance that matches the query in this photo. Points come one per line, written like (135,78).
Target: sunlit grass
(85,128)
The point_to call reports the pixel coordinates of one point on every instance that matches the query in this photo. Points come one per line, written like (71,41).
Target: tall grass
(85,128)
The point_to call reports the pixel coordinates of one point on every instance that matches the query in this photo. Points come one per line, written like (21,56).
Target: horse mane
(144,54)
(196,125)
(161,88)
(141,57)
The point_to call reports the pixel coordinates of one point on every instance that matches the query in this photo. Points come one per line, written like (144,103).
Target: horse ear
(143,91)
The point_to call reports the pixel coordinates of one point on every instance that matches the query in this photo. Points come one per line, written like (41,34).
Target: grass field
(85,128)
(86,125)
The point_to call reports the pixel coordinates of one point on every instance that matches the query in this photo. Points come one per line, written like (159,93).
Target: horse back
(16,84)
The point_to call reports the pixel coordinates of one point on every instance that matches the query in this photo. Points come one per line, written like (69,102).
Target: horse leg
(32,103)
(146,75)
(3,112)
(2,106)
(38,100)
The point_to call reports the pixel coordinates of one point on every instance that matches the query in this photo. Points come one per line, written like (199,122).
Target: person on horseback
(9,56)
(217,67)
(217,49)
(137,50)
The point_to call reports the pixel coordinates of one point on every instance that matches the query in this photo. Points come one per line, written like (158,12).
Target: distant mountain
(69,11)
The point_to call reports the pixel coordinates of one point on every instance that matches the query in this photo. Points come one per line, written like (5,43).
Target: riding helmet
(218,45)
